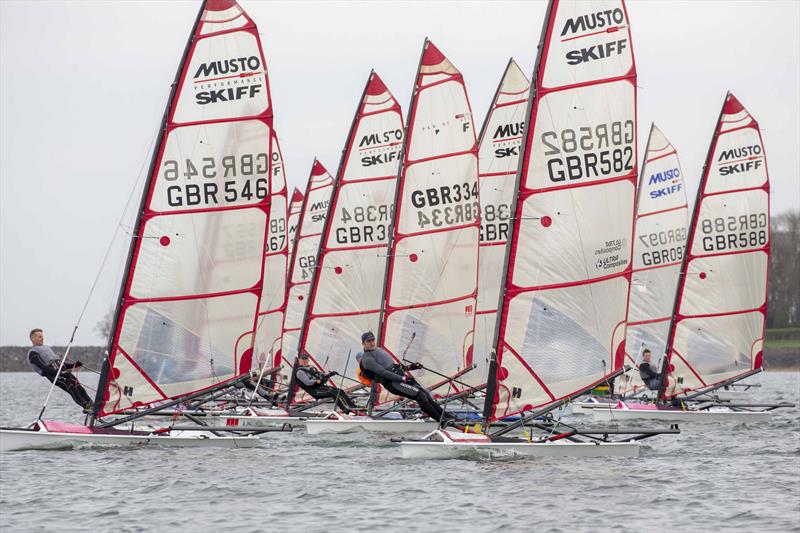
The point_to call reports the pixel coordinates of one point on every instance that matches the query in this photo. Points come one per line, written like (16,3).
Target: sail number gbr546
(215,181)
(589,152)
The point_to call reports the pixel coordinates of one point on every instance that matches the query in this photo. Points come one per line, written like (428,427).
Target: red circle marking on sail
(413,258)
(164,241)
(546,221)
(338,270)
(703,275)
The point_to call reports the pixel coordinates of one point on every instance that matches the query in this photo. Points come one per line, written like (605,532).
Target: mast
(104,370)
(491,383)
(327,224)
(395,210)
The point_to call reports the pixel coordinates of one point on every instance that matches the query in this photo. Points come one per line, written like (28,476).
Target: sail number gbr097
(589,152)
(212,181)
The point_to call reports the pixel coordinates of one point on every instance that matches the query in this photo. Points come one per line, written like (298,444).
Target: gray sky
(83,86)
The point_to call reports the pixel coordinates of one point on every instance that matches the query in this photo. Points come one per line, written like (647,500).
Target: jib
(738,153)
(598,51)
(380,159)
(601,19)
(227,95)
(232,66)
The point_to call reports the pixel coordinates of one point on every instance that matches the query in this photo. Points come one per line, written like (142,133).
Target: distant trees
(783,307)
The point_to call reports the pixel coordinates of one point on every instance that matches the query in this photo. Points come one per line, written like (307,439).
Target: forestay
(500,143)
(195,273)
(276,262)
(345,295)
(563,308)
(430,295)
(721,306)
(658,249)
(304,256)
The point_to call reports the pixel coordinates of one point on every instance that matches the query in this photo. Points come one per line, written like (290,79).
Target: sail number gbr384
(216,181)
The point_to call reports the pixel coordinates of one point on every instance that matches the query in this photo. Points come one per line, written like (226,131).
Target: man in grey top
(376,364)
(44,361)
(311,380)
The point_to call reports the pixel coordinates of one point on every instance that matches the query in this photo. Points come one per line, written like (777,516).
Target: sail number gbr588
(605,150)
(219,181)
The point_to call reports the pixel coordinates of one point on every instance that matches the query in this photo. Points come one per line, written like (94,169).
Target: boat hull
(479,450)
(722,415)
(316,427)
(26,439)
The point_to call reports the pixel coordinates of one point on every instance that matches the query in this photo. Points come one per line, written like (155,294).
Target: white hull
(713,415)
(370,425)
(480,450)
(23,439)
(261,421)
(586,408)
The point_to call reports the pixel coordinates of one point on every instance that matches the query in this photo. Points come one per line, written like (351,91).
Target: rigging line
(93,287)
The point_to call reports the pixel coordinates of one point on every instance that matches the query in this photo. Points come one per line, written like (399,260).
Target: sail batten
(195,273)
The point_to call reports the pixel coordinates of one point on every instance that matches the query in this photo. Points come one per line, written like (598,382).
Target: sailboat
(563,304)
(427,307)
(716,335)
(658,246)
(500,146)
(194,275)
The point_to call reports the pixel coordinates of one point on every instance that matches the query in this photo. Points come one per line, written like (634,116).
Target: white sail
(303,263)
(564,301)
(346,293)
(293,220)
(500,143)
(720,311)
(658,247)
(273,295)
(429,305)
(196,269)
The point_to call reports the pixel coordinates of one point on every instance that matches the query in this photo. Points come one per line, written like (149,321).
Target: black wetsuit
(311,380)
(378,365)
(649,376)
(41,359)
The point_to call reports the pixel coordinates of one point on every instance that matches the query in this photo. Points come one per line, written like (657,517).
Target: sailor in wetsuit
(44,361)
(649,376)
(313,381)
(376,364)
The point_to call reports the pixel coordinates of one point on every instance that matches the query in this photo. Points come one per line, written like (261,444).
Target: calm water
(729,477)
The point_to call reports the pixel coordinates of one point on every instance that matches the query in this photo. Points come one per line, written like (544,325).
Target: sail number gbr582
(212,182)
(589,152)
